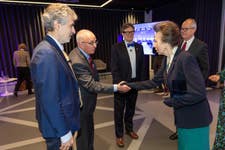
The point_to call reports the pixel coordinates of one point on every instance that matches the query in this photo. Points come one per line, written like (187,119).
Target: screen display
(144,35)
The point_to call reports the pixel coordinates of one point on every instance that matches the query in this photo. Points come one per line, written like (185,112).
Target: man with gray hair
(56,88)
(196,47)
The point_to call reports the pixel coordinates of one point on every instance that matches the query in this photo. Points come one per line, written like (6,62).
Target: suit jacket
(56,91)
(199,50)
(121,65)
(187,89)
(88,80)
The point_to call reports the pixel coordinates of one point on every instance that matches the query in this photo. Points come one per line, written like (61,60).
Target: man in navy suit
(126,65)
(56,88)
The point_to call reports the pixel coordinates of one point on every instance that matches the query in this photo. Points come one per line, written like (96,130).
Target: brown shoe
(133,135)
(120,142)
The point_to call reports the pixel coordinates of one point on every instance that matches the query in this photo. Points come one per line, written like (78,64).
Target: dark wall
(207,13)
(22,23)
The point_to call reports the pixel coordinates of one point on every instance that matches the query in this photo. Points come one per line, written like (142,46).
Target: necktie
(130,44)
(184,46)
(91,64)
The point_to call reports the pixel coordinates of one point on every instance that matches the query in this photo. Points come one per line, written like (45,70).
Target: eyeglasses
(186,29)
(128,32)
(92,43)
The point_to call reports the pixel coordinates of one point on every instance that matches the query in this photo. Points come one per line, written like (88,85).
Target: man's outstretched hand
(122,87)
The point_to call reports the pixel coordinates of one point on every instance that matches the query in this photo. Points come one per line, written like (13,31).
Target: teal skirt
(193,139)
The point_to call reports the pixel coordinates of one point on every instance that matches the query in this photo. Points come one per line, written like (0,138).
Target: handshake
(123,87)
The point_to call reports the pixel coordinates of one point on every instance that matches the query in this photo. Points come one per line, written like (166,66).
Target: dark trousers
(85,138)
(53,143)
(124,109)
(23,73)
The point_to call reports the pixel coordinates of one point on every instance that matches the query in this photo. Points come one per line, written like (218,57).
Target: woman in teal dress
(219,143)
(181,73)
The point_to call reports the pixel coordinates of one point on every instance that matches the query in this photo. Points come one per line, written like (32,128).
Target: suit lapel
(82,56)
(124,49)
(57,49)
(126,55)
(59,54)
(192,46)
(94,71)
(137,56)
(174,60)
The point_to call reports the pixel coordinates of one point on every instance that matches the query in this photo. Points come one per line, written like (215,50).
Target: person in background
(88,78)
(127,64)
(21,60)
(195,47)
(181,72)
(56,87)
(219,142)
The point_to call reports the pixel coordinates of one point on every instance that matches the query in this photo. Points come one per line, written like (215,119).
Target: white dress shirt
(188,43)
(132,55)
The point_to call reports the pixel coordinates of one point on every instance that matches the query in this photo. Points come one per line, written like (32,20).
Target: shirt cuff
(66,137)
(115,88)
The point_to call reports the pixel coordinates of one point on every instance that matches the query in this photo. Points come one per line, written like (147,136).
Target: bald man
(194,46)
(88,79)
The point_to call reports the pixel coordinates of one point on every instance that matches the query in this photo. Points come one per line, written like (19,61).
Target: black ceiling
(118,4)
(138,4)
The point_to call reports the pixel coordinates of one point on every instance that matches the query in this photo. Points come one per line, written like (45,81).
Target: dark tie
(91,64)
(184,46)
(130,44)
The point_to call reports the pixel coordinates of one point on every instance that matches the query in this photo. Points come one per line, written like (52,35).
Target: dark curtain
(22,23)
(18,24)
(106,26)
(207,13)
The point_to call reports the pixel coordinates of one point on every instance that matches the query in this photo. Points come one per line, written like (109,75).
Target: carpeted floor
(153,121)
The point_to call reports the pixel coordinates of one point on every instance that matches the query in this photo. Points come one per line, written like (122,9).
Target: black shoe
(174,136)
(15,94)
(29,93)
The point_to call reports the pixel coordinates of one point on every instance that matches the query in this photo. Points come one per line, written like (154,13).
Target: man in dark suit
(126,65)
(56,88)
(195,47)
(88,79)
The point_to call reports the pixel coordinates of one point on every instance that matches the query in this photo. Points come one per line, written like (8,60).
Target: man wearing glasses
(196,47)
(126,65)
(88,80)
